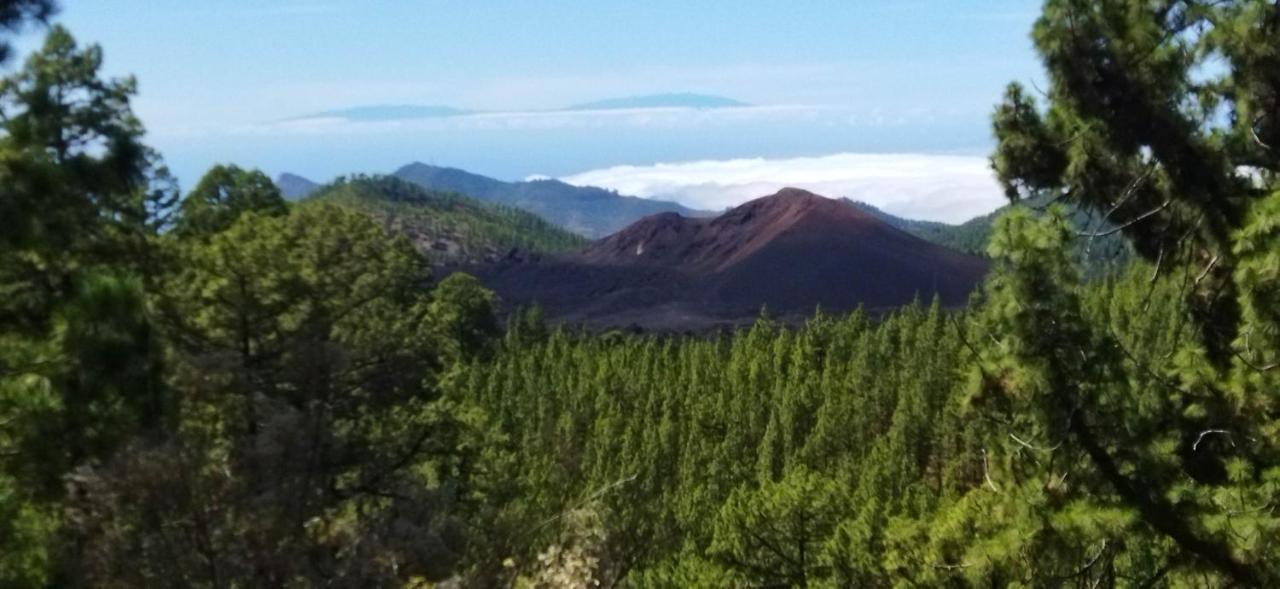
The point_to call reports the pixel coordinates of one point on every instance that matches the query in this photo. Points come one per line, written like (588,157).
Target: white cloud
(944,188)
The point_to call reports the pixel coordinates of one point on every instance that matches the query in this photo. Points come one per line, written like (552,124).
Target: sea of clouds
(946,188)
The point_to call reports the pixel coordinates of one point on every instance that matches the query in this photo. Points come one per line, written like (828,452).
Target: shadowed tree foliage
(74,174)
(78,361)
(308,439)
(15,15)
(464,311)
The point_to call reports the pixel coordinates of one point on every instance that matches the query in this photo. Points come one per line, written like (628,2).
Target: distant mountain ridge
(590,211)
(970,236)
(790,252)
(294,187)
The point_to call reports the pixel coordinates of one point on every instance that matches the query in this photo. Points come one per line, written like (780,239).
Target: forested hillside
(447,226)
(970,236)
(846,452)
(1100,246)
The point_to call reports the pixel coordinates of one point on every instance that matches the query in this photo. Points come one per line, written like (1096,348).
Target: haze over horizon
(840,98)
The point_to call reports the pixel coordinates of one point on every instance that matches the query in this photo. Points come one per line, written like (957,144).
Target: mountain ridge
(587,210)
(783,211)
(295,187)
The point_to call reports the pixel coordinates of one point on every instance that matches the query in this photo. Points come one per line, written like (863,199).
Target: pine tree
(1135,134)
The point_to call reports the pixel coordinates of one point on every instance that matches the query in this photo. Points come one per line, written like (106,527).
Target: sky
(867,91)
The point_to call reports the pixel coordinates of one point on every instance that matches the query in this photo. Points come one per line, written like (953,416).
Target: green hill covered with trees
(447,226)
(1099,246)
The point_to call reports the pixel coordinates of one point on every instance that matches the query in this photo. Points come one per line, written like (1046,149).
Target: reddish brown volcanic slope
(790,252)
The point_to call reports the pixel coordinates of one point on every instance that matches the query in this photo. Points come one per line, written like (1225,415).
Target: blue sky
(905,76)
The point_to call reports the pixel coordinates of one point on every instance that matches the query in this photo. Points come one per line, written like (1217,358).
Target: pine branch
(1160,515)
(1127,225)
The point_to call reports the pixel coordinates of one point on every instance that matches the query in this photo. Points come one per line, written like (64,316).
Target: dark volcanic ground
(790,253)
